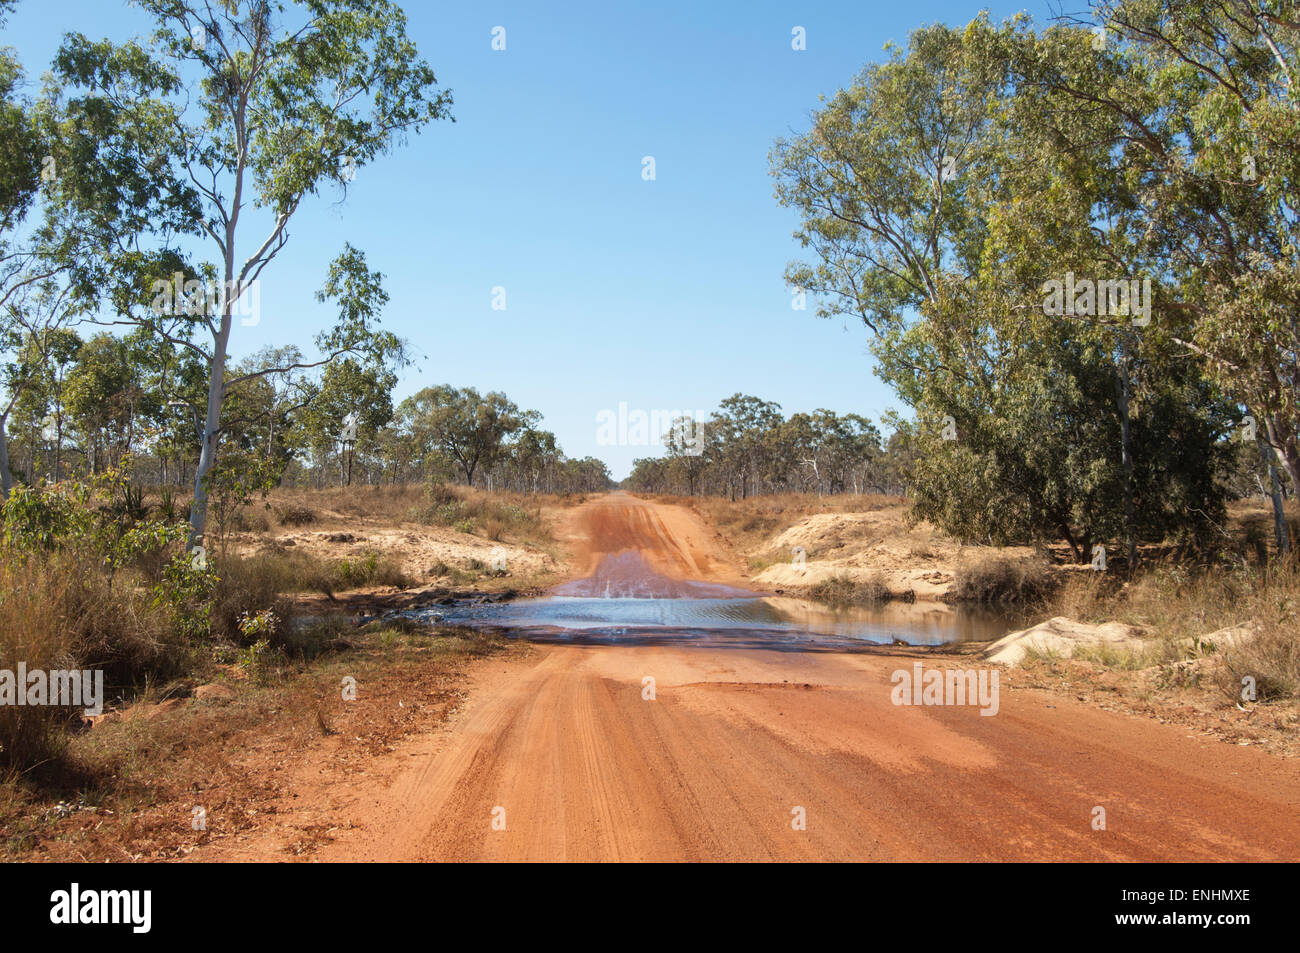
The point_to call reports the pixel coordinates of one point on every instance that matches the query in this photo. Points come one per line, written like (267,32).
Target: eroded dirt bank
(670,751)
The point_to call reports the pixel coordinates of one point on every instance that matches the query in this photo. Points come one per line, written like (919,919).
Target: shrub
(1271,658)
(998,580)
(69,609)
(255,582)
(371,570)
(245,586)
(234,480)
(472,511)
(846,591)
(294,514)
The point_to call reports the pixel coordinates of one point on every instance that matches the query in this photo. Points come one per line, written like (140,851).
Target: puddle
(626,601)
(752,619)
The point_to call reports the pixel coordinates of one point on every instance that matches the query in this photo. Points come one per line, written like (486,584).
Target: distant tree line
(451,434)
(92,402)
(748,447)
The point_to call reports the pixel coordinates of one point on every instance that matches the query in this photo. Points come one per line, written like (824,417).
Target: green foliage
(64,552)
(747,447)
(41,520)
(21,147)
(186,588)
(938,193)
(229,107)
(469,428)
(233,483)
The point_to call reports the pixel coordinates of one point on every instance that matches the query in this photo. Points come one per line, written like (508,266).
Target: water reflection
(755,618)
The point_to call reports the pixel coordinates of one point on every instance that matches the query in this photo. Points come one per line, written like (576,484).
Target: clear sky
(664,294)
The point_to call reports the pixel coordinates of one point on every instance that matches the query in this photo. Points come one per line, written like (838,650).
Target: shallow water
(751,619)
(627,600)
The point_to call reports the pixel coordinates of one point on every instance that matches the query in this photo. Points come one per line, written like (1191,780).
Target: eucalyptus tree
(649,475)
(21,154)
(348,409)
(260,415)
(34,320)
(588,475)
(535,454)
(941,195)
(34,300)
(463,425)
(44,401)
(737,442)
(684,445)
(106,399)
(213,135)
(880,178)
(1204,100)
(853,443)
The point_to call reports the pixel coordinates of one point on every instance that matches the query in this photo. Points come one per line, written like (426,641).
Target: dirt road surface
(560,755)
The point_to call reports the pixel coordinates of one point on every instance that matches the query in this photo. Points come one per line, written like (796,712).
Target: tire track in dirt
(709,770)
(737,737)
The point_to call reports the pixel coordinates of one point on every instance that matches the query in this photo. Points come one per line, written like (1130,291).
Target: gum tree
(1205,101)
(213,135)
(34,300)
(465,426)
(938,193)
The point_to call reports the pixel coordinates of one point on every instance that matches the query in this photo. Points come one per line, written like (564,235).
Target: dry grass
(1270,662)
(404,536)
(294,514)
(497,515)
(999,580)
(1122,658)
(127,788)
(500,517)
(334,505)
(846,591)
(155,631)
(61,611)
(259,581)
(1177,602)
(1182,605)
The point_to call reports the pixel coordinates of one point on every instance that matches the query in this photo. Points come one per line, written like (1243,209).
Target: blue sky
(665,295)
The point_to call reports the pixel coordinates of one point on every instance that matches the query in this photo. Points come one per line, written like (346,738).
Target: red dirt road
(562,751)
